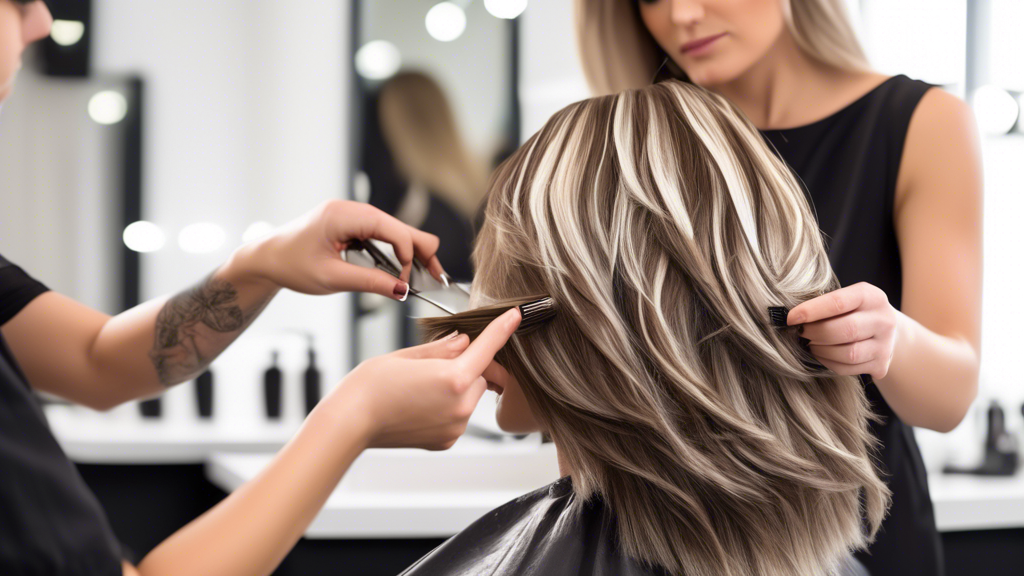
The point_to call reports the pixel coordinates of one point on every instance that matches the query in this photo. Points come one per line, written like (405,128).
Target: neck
(774,92)
(563,465)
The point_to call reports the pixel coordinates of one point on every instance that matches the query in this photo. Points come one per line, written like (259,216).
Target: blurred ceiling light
(508,9)
(995,109)
(378,60)
(257,230)
(361,187)
(446,22)
(143,236)
(1020,106)
(108,107)
(67,32)
(201,238)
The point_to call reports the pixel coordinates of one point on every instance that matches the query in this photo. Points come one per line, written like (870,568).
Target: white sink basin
(409,493)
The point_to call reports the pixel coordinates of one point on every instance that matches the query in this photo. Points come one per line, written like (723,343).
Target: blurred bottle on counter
(204,395)
(1000,449)
(311,380)
(152,408)
(272,389)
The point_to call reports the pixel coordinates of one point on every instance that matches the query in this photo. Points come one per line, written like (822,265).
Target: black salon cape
(50,523)
(534,535)
(848,163)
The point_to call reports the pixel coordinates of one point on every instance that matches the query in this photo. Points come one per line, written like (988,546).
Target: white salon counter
(90,437)
(407,493)
(961,502)
(418,493)
(965,502)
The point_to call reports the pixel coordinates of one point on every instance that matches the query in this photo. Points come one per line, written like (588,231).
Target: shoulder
(942,133)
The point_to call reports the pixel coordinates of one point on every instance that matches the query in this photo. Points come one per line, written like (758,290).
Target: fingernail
(444,278)
(451,336)
(401,291)
(512,316)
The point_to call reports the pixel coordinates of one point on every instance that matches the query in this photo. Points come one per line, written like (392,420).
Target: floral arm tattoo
(195,326)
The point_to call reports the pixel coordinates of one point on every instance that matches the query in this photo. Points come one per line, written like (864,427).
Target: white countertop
(961,502)
(965,502)
(407,493)
(90,437)
(418,493)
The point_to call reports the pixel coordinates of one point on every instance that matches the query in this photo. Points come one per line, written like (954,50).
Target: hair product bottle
(204,394)
(272,389)
(151,408)
(311,380)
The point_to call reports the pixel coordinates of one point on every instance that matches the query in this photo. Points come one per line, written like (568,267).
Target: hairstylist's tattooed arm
(195,326)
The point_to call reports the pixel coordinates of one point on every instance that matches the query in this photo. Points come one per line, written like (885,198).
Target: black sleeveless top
(848,163)
(50,523)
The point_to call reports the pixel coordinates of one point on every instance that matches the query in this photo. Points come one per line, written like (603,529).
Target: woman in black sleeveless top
(892,168)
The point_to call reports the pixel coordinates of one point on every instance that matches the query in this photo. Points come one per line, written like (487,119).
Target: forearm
(932,379)
(171,340)
(252,530)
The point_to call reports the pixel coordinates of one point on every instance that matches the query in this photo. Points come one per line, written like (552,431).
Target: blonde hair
(421,132)
(619,53)
(663,227)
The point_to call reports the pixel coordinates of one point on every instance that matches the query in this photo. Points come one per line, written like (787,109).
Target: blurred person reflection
(419,167)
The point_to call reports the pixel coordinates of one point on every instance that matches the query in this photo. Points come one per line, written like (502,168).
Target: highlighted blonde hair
(619,53)
(663,228)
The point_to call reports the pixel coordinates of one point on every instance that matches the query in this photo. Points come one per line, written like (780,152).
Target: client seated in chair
(693,436)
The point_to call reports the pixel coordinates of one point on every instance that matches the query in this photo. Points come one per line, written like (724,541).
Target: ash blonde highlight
(663,228)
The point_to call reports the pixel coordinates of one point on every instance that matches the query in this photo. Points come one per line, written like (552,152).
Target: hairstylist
(50,523)
(893,171)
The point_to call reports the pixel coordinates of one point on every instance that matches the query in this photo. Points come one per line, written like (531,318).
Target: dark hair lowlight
(663,228)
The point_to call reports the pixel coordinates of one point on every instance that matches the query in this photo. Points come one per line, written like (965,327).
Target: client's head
(663,228)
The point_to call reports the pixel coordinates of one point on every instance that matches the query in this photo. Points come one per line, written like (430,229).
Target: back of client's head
(663,228)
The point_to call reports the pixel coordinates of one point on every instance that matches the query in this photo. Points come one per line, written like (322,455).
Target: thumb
(345,277)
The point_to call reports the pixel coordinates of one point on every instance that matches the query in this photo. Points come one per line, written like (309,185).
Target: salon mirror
(436,88)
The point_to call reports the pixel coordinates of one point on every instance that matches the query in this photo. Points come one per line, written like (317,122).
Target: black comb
(777,316)
(536,313)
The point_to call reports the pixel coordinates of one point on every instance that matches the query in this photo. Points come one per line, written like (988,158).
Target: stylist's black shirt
(50,523)
(848,163)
